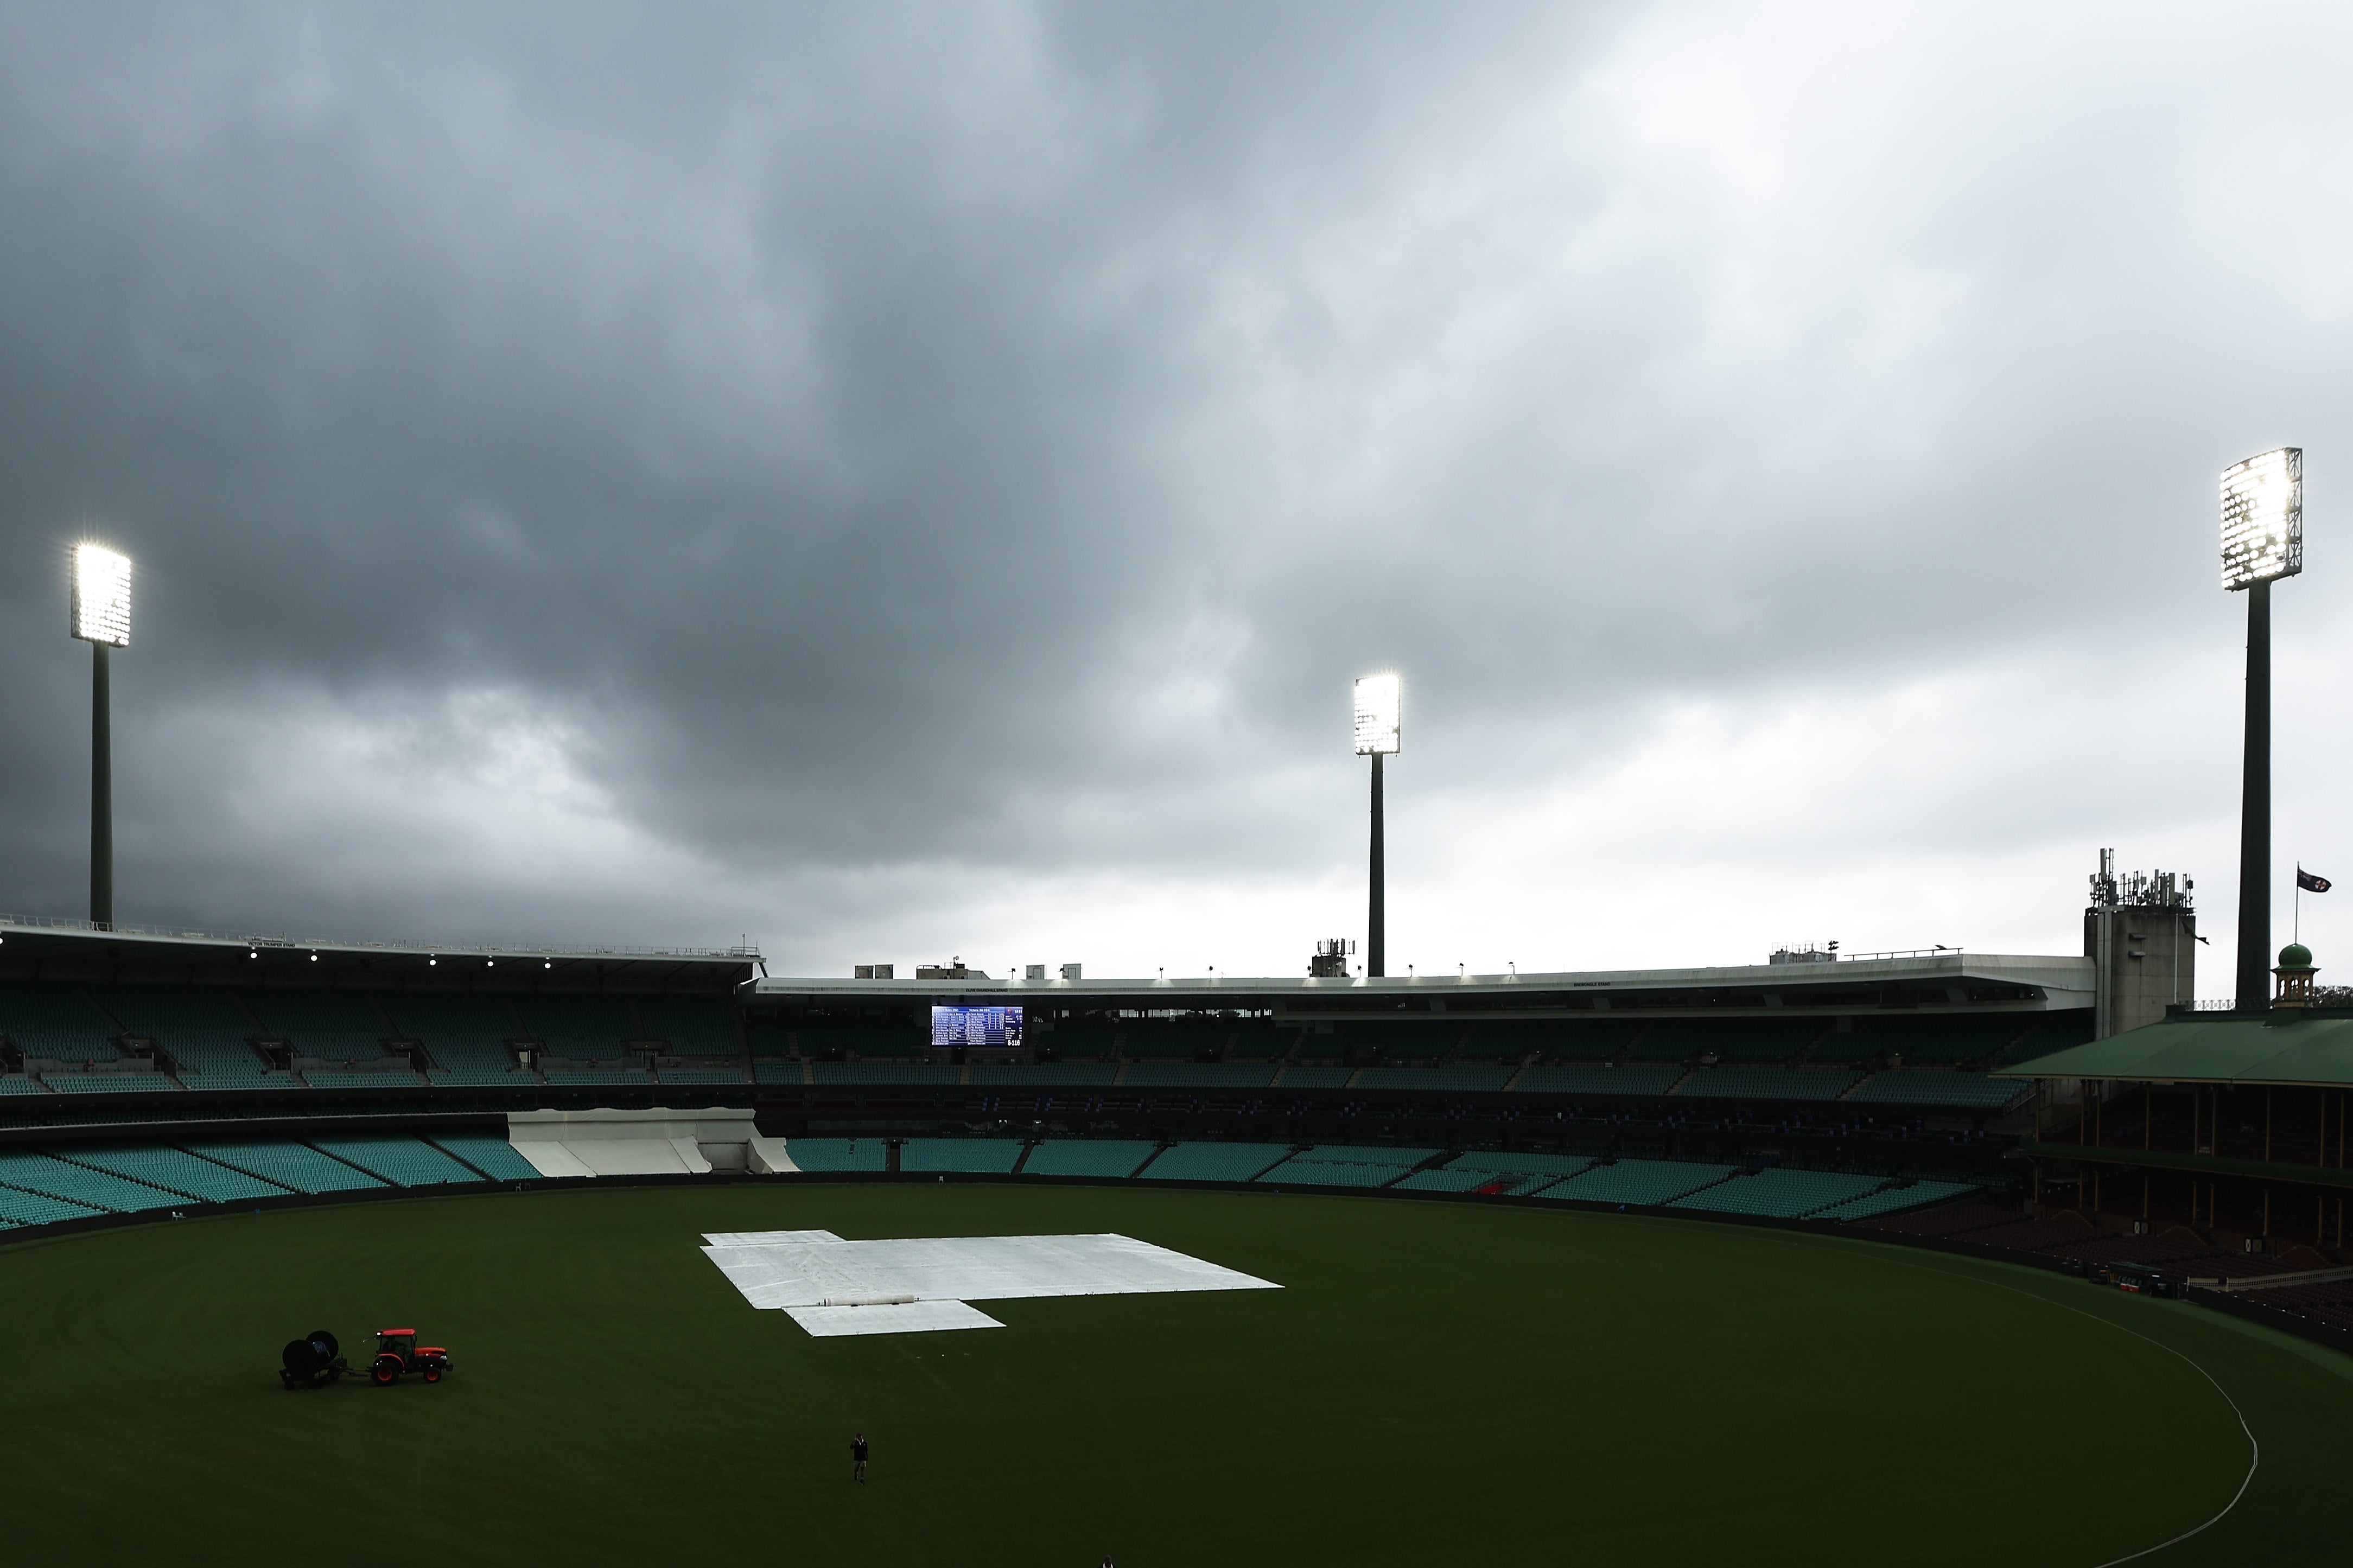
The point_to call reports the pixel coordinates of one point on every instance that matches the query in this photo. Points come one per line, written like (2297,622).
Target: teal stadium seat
(204,1032)
(1908,1085)
(579,1028)
(1780,1193)
(18,1208)
(880,1073)
(403,1162)
(1087,1157)
(1345,1165)
(972,1156)
(1315,1078)
(836,1153)
(17,1083)
(1916,1195)
(692,1025)
(1199,1075)
(1649,1181)
(339,1078)
(494,1157)
(176,1170)
(109,1082)
(585,1076)
(1581,1078)
(1213,1161)
(465,1036)
(96,1189)
(1769,1083)
(480,1078)
(293,1165)
(53,1021)
(1587,1042)
(701,1075)
(776,1073)
(1519,1174)
(1453,1079)
(1045,1075)
(339,1025)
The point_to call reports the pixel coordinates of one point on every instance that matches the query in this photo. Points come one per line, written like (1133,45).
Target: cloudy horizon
(897,481)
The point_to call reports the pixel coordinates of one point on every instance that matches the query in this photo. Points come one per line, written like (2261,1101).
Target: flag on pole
(2305,882)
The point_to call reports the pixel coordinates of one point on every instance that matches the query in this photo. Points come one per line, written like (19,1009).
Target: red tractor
(397,1351)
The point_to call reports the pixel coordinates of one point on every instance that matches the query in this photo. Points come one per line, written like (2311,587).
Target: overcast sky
(903,481)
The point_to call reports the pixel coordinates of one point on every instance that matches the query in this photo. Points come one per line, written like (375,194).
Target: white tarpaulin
(862,1282)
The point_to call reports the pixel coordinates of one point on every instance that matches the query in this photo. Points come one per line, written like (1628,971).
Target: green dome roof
(2295,955)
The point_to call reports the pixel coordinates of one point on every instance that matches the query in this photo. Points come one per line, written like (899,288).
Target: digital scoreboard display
(996,1027)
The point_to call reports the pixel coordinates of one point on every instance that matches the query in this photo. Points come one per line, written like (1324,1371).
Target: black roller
(324,1344)
(301,1359)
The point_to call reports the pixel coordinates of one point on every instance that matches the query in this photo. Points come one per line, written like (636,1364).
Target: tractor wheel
(383,1372)
(432,1374)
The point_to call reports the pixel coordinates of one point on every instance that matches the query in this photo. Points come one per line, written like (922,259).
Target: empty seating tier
(1315,1078)
(1907,1087)
(1453,1077)
(97,1189)
(1085,1157)
(294,1165)
(403,1162)
(1503,1173)
(836,1153)
(1295,1172)
(1913,1196)
(494,1157)
(1213,1161)
(204,1032)
(381,1077)
(1654,1181)
(109,1082)
(1578,1078)
(1769,1083)
(1050,1075)
(880,1073)
(19,1208)
(1781,1194)
(691,1026)
(1199,1075)
(978,1156)
(56,1024)
(338,1025)
(175,1169)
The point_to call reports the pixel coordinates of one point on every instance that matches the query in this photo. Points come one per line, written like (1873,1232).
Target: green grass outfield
(1437,1383)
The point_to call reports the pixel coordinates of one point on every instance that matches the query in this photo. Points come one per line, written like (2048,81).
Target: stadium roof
(35,948)
(2285,1046)
(1948,980)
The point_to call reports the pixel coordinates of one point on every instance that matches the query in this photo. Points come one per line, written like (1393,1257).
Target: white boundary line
(2255,1449)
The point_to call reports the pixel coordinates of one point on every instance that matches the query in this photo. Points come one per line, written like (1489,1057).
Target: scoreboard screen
(997,1027)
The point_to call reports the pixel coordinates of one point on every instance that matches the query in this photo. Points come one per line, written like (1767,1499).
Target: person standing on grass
(858,1457)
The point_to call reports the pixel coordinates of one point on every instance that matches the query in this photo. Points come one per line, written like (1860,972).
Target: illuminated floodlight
(101,595)
(2262,519)
(1379,715)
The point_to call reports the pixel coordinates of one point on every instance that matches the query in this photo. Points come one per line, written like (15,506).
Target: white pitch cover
(813,1274)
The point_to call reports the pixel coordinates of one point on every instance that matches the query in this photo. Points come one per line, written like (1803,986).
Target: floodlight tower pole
(2254,978)
(102,791)
(1376,918)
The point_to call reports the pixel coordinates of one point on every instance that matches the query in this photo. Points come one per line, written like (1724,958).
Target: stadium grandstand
(2003,1101)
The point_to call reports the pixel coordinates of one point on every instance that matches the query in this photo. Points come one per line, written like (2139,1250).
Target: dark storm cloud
(832,442)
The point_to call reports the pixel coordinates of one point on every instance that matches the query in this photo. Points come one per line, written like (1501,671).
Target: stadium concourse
(142,1072)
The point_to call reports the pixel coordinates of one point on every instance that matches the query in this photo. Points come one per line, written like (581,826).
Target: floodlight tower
(2262,541)
(101,616)
(1379,734)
